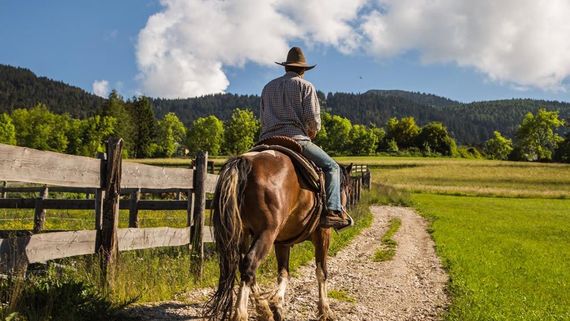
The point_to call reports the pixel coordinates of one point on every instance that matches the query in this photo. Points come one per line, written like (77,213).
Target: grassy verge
(507,258)
(341,295)
(388,249)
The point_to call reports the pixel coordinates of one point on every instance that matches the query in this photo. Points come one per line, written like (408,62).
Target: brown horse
(260,201)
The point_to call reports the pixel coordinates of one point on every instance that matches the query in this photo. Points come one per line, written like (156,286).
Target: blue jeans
(330,169)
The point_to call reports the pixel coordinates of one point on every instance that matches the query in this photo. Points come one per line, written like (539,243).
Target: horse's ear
(349,168)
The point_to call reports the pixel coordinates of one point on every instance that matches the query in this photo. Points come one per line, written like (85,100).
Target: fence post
(4,185)
(134,208)
(358,187)
(366,178)
(40,213)
(197,251)
(109,248)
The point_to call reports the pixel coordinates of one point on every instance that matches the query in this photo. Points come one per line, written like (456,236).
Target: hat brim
(296,64)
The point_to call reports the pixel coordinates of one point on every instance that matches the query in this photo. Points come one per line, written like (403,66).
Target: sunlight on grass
(507,258)
(471,177)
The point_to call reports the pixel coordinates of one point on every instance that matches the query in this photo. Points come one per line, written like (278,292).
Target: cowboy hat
(296,58)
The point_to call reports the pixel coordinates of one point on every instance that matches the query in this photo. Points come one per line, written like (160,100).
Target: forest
(469,124)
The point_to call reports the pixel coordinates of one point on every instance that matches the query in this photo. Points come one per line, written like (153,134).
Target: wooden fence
(106,179)
(103,180)
(360,179)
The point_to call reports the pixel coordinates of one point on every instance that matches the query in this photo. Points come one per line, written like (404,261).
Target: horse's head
(345,184)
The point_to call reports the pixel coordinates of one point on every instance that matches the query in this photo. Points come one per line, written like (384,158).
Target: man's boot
(336,219)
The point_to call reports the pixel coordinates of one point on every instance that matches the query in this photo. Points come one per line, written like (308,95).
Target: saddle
(309,173)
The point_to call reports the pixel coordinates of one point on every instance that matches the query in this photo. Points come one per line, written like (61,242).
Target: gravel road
(411,286)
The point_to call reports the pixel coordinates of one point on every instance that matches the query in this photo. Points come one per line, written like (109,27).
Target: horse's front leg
(321,239)
(248,266)
(282,253)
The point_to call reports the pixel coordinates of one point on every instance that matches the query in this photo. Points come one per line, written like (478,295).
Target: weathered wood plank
(154,177)
(28,165)
(46,246)
(144,238)
(30,203)
(56,245)
(210,183)
(162,205)
(39,189)
(49,246)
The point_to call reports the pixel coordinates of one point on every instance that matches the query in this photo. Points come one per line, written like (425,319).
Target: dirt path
(408,287)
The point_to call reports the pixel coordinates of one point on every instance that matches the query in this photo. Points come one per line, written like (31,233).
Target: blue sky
(81,42)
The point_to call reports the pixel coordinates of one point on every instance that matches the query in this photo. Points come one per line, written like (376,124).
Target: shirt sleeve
(311,110)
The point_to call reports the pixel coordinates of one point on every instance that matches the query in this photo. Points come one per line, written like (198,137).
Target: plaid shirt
(289,107)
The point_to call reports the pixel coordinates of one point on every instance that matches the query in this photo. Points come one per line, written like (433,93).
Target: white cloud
(101,88)
(183,49)
(524,43)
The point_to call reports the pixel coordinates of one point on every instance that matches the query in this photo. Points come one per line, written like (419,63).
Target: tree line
(147,136)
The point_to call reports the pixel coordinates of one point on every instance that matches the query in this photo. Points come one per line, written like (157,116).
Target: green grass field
(508,258)
(454,176)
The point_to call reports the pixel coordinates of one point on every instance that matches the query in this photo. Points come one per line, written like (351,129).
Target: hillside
(418,98)
(470,123)
(21,88)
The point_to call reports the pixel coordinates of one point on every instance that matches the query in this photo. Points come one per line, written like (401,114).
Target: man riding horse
(290,107)
(264,199)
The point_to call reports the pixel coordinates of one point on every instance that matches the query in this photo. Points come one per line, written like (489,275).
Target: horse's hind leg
(248,265)
(282,254)
(321,238)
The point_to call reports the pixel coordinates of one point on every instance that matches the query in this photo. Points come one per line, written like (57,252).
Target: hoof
(239,317)
(327,315)
(264,312)
(278,312)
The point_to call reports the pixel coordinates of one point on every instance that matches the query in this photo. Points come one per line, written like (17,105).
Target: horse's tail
(228,233)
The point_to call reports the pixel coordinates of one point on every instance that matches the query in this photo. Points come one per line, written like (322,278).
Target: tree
(206,134)
(380,134)
(363,141)
(7,130)
(116,107)
(171,134)
(434,138)
(404,131)
(536,136)
(322,137)
(563,152)
(498,146)
(241,131)
(39,128)
(144,128)
(87,136)
(338,135)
